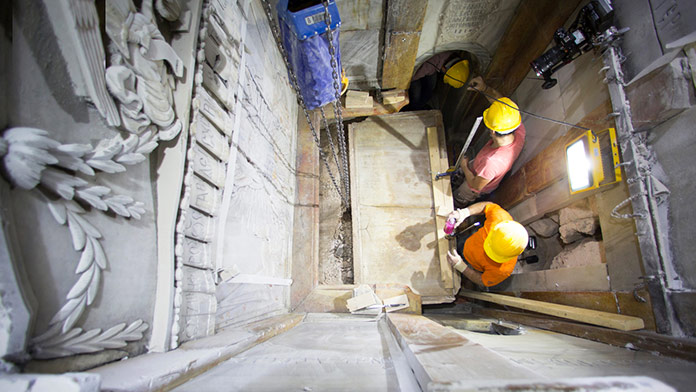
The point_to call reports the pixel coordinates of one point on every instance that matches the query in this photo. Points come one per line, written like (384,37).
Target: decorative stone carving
(206,166)
(216,85)
(204,196)
(79,22)
(213,111)
(199,226)
(30,158)
(198,280)
(169,9)
(138,77)
(196,254)
(196,303)
(209,137)
(198,326)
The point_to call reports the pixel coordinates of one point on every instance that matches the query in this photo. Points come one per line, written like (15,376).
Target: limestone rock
(576,211)
(544,227)
(577,229)
(586,252)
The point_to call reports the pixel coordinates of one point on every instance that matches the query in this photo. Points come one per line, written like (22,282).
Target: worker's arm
(457,263)
(461,214)
(477,83)
(475,182)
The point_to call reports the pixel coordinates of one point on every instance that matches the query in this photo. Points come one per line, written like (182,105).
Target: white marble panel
(199,226)
(198,280)
(204,196)
(198,304)
(223,61)
(209,137)
(217,86)
(229,14)
(208,167)
(197,254)
(214,112)
(198,326)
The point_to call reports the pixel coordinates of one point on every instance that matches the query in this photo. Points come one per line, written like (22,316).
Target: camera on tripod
(584,34)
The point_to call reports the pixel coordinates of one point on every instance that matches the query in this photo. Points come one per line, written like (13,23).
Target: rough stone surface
(544,227)
(576,211)
(584,253)
(78,364)
(576,230)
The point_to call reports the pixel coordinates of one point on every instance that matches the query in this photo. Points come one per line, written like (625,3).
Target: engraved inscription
(198,226)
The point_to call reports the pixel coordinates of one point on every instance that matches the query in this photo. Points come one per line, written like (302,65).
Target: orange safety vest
(493,273)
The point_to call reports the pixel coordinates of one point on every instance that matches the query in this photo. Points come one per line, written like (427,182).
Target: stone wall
(116,169)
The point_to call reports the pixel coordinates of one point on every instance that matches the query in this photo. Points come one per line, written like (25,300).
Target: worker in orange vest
(491,252)
(483,174)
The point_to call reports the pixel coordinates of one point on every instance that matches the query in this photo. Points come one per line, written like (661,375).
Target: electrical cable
(518,109)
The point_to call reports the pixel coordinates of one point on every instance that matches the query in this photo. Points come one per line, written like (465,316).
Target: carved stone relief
(218,60)
(141,78)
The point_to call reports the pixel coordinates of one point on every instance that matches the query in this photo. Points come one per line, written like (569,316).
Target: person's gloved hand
(459,216)
(456,261)
(477,83)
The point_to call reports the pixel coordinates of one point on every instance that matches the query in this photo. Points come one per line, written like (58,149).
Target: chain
(338,111)
(328,134)
(300,99)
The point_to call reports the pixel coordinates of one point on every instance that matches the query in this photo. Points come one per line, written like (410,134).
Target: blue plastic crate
(310,21)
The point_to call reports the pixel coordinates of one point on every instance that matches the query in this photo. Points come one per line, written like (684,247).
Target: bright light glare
(578,166)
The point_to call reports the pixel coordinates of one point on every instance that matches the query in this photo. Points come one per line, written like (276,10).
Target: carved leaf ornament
(142,86)
(31,158)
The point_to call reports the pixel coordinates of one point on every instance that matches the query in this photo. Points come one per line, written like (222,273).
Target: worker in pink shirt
(483,174)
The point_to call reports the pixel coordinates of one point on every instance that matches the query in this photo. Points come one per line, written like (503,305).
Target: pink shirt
(492,163)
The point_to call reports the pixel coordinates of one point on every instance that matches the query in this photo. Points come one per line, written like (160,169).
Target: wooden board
(442,200)
(394,229)
(604,319)
(399,59)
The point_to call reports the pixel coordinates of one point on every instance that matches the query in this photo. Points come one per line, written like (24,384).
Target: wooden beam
(617,321)
(647,341)
(527,36)
(442,200)
(624,302)
(403,28)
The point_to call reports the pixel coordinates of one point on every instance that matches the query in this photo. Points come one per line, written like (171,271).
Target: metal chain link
(300,99)
(331,143)
(338,111)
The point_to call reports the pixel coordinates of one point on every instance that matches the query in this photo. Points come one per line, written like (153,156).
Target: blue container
(310,21)
(306,43)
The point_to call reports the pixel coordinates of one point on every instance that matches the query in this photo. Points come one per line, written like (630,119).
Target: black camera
(583,35)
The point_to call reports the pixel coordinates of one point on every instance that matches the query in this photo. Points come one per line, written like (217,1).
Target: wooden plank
(442,200)
(438,354)
(376,110)
(394,236)
(399,59)
(617,321)
(627,303)
(647,341)
(358,100)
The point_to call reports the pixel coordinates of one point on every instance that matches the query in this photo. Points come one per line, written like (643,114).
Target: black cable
(518,109)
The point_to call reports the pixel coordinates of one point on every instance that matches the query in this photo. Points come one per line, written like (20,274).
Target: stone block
(198,280)
(584,253)
(575,211)
(544,227)
(577,229)
(661,95)
(198,304)
(199,326)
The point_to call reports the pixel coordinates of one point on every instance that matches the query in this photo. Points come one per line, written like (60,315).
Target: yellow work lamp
(593,161)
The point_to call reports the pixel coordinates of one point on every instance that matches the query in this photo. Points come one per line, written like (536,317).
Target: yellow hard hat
(506,241)
(457,74)
(502,118)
